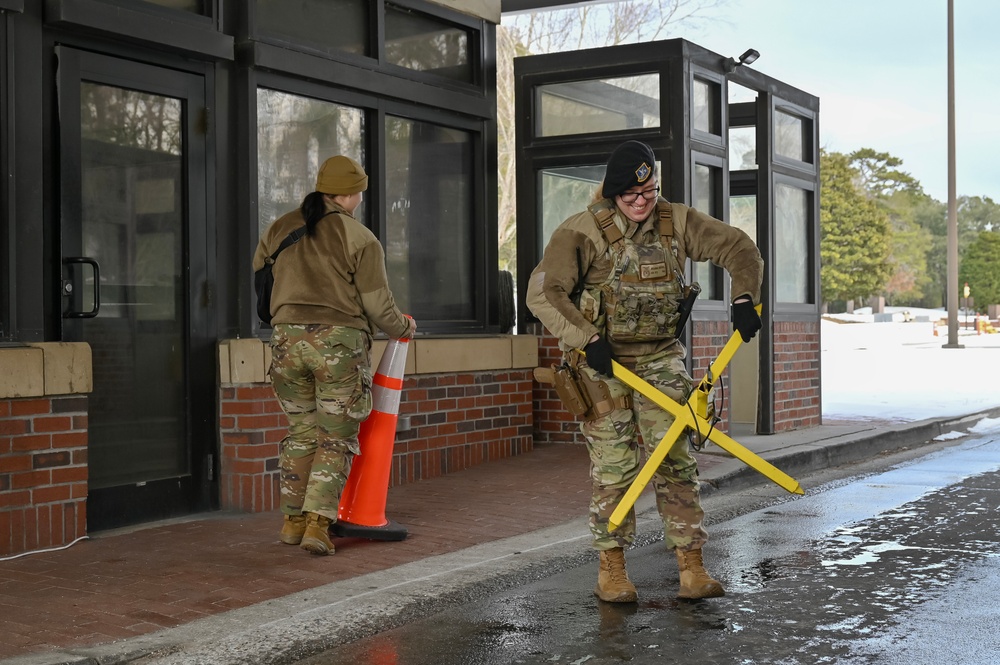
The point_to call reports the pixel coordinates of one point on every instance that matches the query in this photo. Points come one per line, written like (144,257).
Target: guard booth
(731,142)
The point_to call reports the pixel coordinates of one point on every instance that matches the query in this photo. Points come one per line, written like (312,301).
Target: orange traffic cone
(362,504)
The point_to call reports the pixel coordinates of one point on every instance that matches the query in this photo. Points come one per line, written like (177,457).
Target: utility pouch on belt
(589,399)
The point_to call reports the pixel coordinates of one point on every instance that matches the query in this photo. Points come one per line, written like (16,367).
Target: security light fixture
(748,58)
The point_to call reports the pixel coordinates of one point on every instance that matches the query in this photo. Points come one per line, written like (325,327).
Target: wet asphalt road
(897,567)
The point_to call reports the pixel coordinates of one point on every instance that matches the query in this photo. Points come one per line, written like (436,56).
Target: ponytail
(313,209)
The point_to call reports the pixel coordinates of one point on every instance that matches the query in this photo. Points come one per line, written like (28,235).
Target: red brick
(69,474)
(30,479)
(248,467)
(43,522)
(258,422)
(48,460)
(51,424)
(51,494)
(26,407)
(13,426)
(260,451)
(17,499)
(69,440)
(5,533)
(17,531)
(232,408)
(12,463)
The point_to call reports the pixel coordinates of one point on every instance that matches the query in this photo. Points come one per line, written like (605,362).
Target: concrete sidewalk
(220,588)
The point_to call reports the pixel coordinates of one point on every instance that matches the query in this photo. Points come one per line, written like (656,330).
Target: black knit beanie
(631,164)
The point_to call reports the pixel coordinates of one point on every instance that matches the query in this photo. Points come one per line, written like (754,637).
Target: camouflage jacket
(336,276)
(578,247)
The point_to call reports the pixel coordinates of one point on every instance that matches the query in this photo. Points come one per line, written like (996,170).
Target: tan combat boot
(613,584)
(695,581)
(316,538)
(293,529)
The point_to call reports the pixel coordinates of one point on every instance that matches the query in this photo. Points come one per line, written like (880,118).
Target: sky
(879,68)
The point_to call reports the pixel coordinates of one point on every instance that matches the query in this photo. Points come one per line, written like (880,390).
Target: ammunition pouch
(588,399)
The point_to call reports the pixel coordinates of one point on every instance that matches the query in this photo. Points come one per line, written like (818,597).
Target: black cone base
(389,531)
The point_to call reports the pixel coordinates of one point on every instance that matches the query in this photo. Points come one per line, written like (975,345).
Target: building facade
(145,145)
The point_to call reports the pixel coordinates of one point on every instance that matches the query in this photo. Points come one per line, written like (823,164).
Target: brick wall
(797,399)
(461,420)
(43,472)
(456,421)
(251,427)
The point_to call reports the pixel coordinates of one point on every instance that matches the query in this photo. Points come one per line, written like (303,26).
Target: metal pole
(952,204)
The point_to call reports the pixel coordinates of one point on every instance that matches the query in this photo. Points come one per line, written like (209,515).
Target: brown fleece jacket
(336,276)
(699,237)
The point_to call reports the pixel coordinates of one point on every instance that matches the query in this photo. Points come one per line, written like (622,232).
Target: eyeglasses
(648,194)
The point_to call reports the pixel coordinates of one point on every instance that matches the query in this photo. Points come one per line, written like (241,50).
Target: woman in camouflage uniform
(330,294)
(628,249)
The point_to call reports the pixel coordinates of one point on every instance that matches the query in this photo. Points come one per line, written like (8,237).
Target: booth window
(706,107)
(334,26)
(791,251)
(791,137)
(426,44)
(707,198)
(430,224)
(565,192)
(599,105)
(295,135)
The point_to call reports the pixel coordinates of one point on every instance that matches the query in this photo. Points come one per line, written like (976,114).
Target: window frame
(375,110)
(718,198)
(811,240)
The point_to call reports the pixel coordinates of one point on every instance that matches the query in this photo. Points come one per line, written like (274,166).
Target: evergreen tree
(855,233)
(980,269)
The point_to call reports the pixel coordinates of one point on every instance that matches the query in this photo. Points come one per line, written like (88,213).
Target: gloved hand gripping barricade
(687,417)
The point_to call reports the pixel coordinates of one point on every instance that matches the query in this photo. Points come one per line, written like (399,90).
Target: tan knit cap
(341,175)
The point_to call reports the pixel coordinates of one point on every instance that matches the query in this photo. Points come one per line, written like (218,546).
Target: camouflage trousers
(321,375)
(615,458)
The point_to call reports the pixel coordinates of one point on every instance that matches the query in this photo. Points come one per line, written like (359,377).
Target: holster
(589,399)
(685,306)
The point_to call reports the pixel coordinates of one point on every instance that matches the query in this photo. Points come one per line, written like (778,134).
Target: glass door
(131,228)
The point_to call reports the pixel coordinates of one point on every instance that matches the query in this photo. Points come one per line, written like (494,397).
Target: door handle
(67,287)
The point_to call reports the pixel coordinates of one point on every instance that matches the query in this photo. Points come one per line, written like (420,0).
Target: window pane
(195,6)
(743,148)
(429,218)
(788,136)
(743,214)
(739,94)
(706,183)
(294,136)
(333,25)
(791,252)
(419,42)
(705,116)
(603,105)
(566,192)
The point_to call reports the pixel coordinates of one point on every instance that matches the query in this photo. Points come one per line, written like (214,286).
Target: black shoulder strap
(604,212)
(289,240)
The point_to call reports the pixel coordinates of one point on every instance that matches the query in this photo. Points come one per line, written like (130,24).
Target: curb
(733,475)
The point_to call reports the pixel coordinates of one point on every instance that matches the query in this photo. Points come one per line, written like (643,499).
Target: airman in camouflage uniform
(322,378)
(610,283)
(330,295)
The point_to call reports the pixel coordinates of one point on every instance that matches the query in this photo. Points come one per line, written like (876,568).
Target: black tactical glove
(599,356)
(746,319)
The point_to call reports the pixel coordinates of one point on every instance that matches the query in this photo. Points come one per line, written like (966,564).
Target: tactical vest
(645,286)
